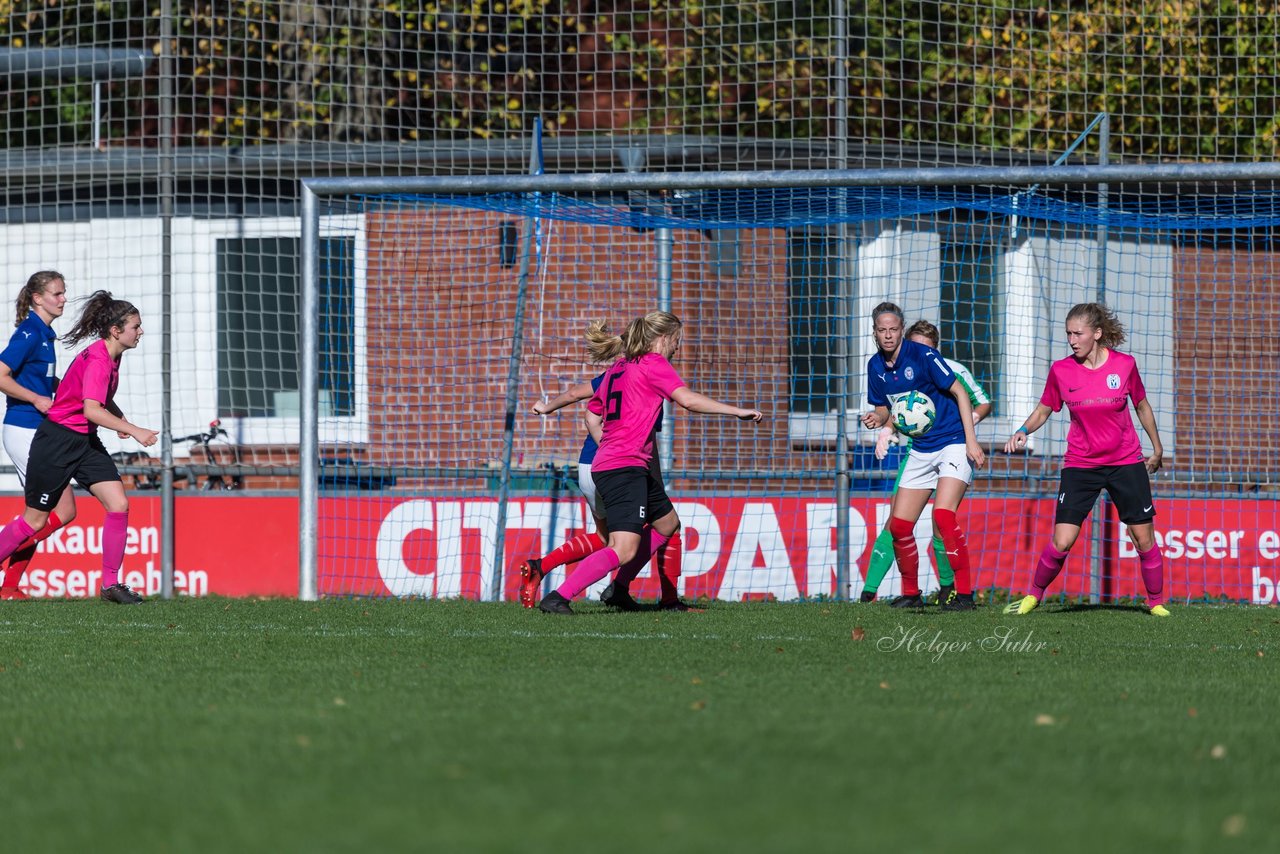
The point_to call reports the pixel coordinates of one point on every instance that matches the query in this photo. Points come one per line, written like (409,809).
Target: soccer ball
(913,414)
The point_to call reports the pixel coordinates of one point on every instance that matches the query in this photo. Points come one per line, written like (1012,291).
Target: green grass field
(217,724)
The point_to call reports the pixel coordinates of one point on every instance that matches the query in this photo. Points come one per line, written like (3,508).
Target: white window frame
(202,245)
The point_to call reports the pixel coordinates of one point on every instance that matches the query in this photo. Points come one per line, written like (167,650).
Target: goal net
(432,485)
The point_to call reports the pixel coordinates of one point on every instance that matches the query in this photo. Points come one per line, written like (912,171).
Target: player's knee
(668,524)
(1143,542)
(901,529)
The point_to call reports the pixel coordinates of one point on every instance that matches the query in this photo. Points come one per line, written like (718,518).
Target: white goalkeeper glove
(888,436)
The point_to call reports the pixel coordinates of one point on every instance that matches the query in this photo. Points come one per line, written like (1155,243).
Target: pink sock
(628,573)
(115,529)
(593,568)
(27,550)
(1152,565)
(13,535)
(1051,561)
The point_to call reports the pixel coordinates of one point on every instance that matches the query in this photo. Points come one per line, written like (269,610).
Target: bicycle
(215,481)
(153,478)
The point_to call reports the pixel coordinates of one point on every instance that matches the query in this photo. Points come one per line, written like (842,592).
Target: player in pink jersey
(66,445)
(1096,383)
(668,558)
(628,402)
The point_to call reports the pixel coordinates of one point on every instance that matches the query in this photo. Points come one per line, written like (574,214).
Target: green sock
(945,574)
(881,560)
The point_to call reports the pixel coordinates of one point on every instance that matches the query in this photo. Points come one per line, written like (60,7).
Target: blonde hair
(37,284)
(1098,316)
(604,346)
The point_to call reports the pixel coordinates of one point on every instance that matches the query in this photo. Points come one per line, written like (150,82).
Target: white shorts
(924,468)
(17,444)
(588,487)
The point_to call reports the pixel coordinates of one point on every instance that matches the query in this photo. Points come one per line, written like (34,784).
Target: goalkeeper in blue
(921,332)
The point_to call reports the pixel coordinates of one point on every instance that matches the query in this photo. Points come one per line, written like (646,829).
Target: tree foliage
(1181,78)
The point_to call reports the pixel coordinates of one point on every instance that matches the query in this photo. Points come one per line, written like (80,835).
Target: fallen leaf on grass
(1045,720)
(1218,751)
(859,633)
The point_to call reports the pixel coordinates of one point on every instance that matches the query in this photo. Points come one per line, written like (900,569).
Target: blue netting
(792,208)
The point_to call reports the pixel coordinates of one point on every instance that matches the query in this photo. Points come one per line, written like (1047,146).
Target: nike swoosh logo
(1077,388)
(1148,507)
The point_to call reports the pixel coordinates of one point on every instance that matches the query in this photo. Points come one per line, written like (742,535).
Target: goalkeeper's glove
(887,437)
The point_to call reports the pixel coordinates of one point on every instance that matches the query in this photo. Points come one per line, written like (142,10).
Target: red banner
(223,545)
(734,547)
(745,548)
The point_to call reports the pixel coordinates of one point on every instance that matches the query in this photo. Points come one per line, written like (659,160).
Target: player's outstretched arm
(581,391)
(98,414)
(695,402)
(1034,422)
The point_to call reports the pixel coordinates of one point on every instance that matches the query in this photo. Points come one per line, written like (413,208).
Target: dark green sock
(881,560)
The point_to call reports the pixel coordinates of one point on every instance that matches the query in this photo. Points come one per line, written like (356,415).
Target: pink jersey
(1101,432)
(93,375)
(630,401)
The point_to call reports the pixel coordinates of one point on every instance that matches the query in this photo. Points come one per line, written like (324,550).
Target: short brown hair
(927,329)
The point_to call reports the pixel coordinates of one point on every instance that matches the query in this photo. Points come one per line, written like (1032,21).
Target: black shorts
(1129,487)
(633,497)
(59,454)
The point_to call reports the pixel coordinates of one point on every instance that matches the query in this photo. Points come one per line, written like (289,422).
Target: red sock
(904,551)
(670,557)
(574,550)
(957,549)
(22,556)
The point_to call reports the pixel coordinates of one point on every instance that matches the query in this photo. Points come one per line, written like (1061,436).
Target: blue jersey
(590,446)
(918,368)
(32,361)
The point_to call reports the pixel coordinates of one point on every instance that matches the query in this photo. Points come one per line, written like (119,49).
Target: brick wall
(441,311)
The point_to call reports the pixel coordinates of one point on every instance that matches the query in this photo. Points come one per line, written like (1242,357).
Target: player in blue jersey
(28,378)
(941,461)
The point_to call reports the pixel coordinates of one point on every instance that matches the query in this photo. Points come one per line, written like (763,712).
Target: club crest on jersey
(1113,381)
(909,373)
